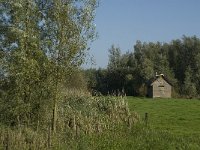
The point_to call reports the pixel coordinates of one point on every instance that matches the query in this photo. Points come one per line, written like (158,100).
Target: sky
(123,22)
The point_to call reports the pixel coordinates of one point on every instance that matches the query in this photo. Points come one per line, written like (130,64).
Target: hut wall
(161,88)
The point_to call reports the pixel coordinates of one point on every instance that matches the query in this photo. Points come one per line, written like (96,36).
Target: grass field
(178,116)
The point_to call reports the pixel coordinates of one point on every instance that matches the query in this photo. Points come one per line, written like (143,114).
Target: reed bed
(79,115)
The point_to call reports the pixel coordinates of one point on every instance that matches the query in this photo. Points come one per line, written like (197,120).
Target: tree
(197,71)
(41,44)
(23,59)
(68,45)
(189,85)
(114,57)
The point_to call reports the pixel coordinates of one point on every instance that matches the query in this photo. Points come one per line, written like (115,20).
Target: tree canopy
(178,60)
(41,43)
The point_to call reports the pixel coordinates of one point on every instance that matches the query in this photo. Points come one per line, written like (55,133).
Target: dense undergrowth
(87,122)
(78,116)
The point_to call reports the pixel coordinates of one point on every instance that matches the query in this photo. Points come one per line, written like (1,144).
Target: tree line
(178,60)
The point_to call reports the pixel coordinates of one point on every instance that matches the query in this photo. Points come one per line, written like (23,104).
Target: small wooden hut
(159,86)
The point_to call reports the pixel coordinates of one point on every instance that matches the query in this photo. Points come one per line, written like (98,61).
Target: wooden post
(6,141)
(49,137)
(146,118)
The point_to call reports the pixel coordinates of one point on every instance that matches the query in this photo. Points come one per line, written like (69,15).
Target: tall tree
(22,59)
(42,41)
(114,57)
(189,84)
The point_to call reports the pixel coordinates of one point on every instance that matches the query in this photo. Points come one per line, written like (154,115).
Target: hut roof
(151,80)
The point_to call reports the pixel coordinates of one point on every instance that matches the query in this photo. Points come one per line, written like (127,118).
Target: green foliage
(79,117)
(76,80)
(171,59)
(114,57)
(42,42)
(189,84)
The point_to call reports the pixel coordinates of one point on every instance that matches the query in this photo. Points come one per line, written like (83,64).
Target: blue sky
(122,22)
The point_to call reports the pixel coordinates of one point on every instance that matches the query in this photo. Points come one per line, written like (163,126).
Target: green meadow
(178,116)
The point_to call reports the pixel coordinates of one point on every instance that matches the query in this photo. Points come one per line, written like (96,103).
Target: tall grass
(86,122)
(137,137)
(79,115)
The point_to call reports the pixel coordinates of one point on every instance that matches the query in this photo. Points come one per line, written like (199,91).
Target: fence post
(6,140)
(146,118)
(49,137)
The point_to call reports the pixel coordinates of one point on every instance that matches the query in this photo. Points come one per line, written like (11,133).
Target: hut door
(162,91)
(161,88)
